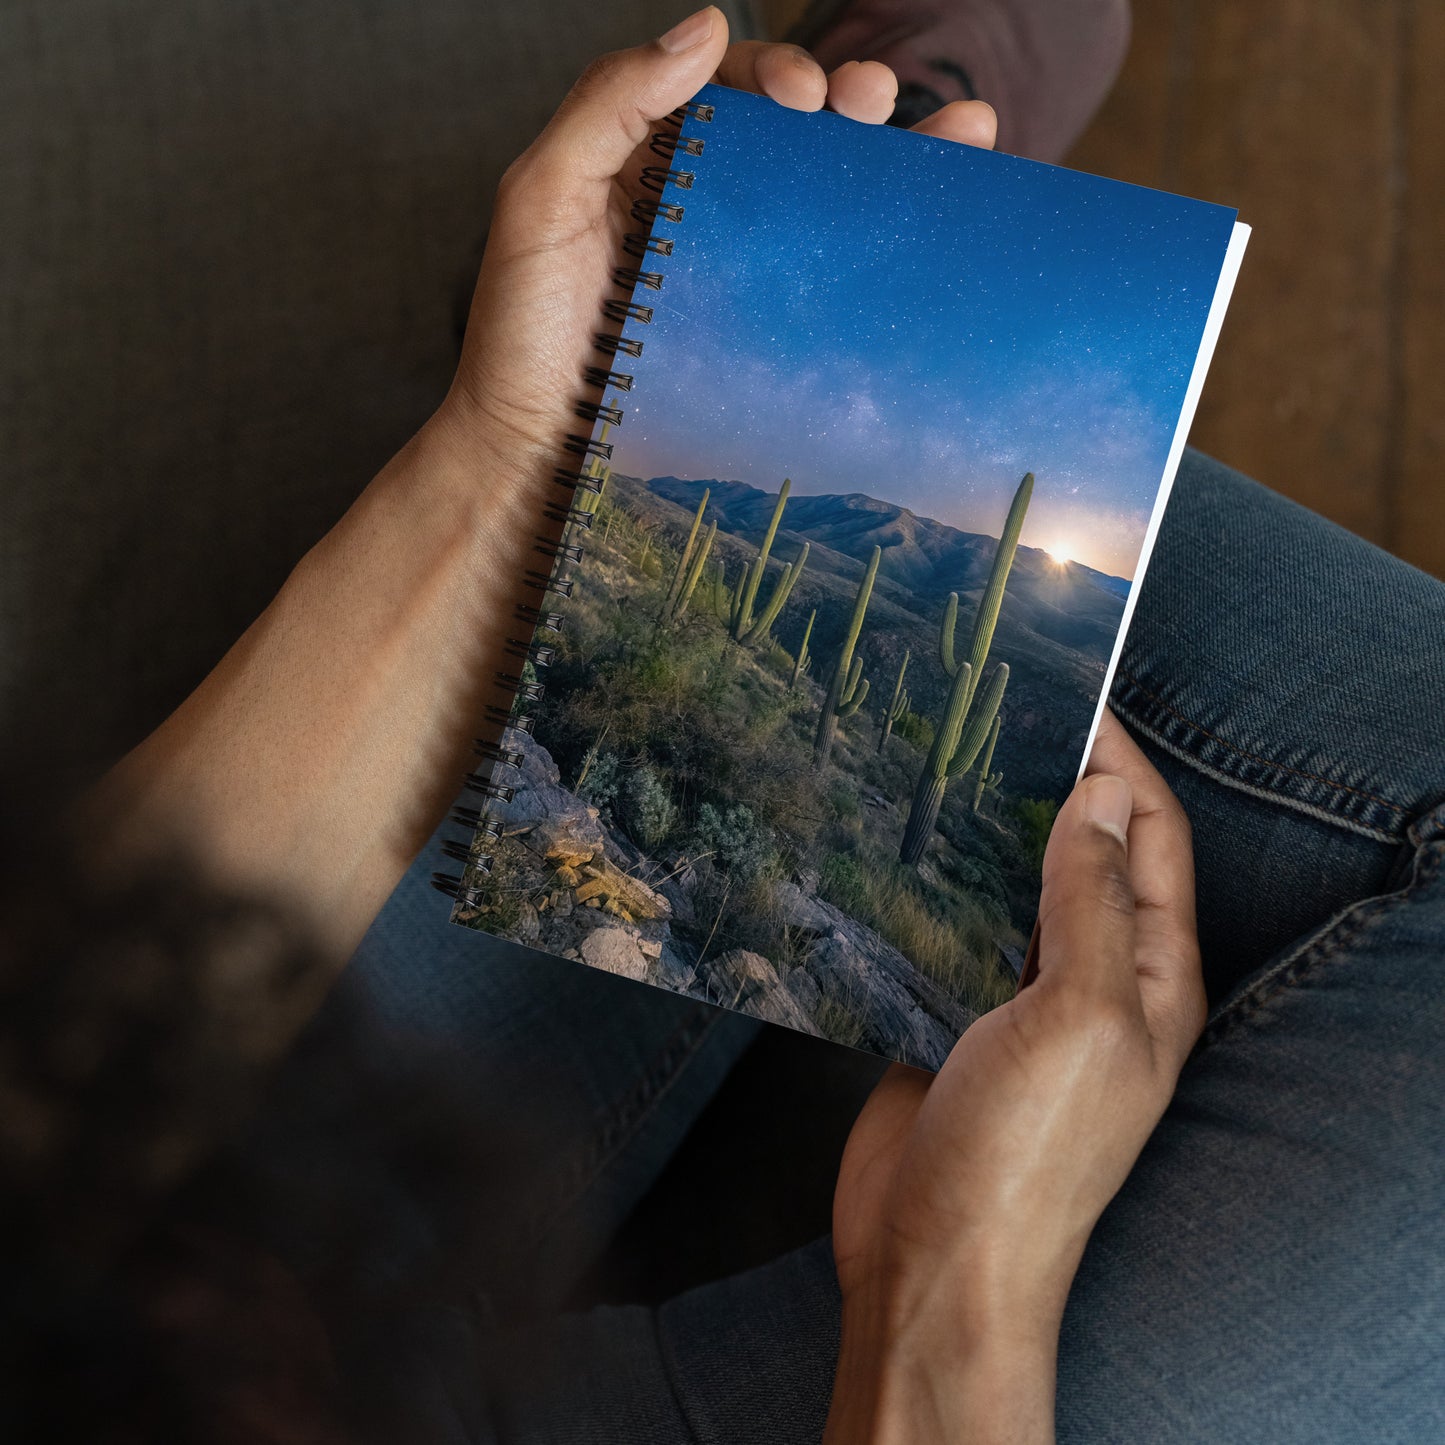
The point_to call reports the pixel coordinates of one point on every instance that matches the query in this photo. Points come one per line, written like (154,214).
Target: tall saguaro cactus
(689,567)
(959,737)
(804,657)
(847,686)
(589,500)
(985,781)
(743,626)
(897,705)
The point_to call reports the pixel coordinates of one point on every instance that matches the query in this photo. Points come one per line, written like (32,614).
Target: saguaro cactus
(804,658)
(984,780)
(588,500)
(847,687)
(897,706)
(959,737)
(744,627)
(689,567)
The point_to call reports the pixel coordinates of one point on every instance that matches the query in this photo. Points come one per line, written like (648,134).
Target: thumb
(1087,923)
(616,102)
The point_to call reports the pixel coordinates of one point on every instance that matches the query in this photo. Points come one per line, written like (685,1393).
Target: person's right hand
(965,1201)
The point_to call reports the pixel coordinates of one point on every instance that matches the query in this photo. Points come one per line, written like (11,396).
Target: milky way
(864,310)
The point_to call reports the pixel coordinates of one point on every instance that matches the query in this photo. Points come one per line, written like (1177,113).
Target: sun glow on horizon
(1061,553)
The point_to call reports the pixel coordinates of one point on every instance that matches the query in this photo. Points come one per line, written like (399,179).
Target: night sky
(869,311)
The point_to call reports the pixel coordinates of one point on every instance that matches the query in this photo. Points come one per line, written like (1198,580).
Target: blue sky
(869,311)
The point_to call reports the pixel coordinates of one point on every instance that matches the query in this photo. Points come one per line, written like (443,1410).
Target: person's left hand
(564,207)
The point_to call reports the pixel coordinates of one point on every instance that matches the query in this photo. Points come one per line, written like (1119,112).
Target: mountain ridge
(919,552)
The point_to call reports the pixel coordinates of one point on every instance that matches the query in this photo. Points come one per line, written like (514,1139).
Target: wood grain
(1417,500)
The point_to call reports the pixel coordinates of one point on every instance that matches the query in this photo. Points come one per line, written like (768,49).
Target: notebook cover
(937,352)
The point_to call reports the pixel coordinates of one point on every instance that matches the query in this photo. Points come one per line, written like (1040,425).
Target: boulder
(748,982)
(614,950)
(908,1016)
(801,910)
(612,886)
(550,821)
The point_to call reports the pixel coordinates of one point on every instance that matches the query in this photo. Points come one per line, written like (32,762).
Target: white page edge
(1224,289)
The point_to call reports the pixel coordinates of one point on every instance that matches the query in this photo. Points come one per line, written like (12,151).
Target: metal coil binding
(585,484)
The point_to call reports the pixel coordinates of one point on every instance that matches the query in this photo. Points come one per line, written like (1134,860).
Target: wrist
(964,1354)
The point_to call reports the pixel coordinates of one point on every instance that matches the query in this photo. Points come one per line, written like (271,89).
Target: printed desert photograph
(860,525)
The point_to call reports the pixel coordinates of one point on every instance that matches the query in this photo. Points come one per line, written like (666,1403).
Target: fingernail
(687,33)
(1108,804)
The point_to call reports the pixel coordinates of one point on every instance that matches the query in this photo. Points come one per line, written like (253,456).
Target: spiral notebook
(870,468)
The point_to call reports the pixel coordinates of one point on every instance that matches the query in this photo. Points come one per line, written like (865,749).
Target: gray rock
(907,1015)
(804,987)
(614,950)
(800,910)
(529,924)
(552,822)
(675,970)
(749,982)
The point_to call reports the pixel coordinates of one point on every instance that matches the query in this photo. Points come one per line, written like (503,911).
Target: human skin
(319,755)
(965,1201)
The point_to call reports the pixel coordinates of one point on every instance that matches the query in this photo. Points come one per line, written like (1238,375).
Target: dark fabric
(1274,1268)
(236,239)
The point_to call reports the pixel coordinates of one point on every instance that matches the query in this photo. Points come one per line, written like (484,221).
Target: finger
(614,106)
(969,122)
(784,73)
(1086,911)
(863,90)
(1161,869)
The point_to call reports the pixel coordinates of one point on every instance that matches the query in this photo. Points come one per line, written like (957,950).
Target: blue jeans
(1274,1268)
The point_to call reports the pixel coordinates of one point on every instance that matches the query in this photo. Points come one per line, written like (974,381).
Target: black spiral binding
(573,515)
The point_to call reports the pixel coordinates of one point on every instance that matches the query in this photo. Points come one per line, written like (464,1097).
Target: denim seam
(626,1116)
(1257,757)
(1333,937)
(1254,790)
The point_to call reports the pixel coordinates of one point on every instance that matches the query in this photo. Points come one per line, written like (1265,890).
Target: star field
(868,311)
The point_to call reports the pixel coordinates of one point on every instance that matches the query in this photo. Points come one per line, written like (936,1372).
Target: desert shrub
(843,799)
(841,881)
(947,935)
(982,879)
(734,839)
(914,728)
(778,660)
(1036,821)
(645,807)
(601,781)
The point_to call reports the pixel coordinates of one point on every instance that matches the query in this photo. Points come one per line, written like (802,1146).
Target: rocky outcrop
(747,981)
(897,1010)
(592,895)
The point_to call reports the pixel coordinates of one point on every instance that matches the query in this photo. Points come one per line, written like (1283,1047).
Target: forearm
(955,1374)
(316,758)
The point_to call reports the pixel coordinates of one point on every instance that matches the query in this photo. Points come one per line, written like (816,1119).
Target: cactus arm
(800,665)
(945,635)
(828,718)
(759,629)
(680,576)
(745,614)
(736,606)
(989,604)
(971,742)
(984,781)
(857,691)
(698,563)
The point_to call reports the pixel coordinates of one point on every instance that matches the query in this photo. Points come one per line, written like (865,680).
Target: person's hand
(564,207)
(965,1201)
